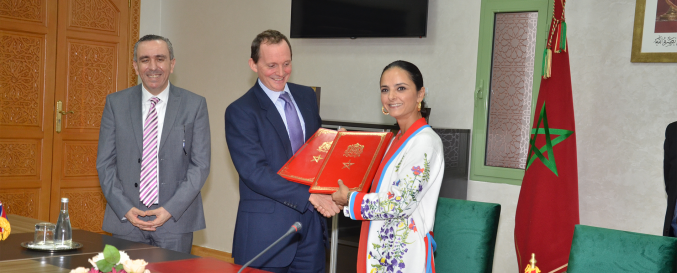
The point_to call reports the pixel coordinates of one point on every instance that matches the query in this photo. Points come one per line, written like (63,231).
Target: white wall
(621,108)
(151,17)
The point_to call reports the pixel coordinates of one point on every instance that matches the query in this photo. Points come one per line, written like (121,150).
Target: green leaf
(104,266)
(118,267)
(111,254)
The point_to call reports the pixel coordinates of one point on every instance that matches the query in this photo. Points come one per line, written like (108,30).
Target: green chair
(601,250)
(465,233)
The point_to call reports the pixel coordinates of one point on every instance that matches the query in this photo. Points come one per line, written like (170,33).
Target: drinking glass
(44,234)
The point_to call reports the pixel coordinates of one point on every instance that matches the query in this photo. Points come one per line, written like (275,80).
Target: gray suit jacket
(182,170)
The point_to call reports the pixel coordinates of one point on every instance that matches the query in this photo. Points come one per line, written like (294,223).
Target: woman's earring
(419,106)
(383,110)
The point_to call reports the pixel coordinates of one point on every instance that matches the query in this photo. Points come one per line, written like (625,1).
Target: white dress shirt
(279,104)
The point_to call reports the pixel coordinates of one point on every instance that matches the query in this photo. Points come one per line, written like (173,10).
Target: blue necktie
(293,123)
(294,127)
(673,224)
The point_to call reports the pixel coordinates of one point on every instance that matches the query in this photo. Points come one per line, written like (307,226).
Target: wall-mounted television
(358,18)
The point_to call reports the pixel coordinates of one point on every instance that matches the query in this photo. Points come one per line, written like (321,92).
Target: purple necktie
(293,123)
(149,181)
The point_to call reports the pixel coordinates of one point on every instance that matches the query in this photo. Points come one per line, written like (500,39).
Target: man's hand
(133,217)
(161,214)
(323,204)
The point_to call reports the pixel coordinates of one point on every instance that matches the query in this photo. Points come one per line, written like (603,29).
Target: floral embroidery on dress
(393,237)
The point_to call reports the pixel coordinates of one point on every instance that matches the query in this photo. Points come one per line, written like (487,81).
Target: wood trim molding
(212,253)
(134,22)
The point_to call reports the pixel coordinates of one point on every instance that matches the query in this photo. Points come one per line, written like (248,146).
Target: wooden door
(92,62)
(76,52)
(27,70)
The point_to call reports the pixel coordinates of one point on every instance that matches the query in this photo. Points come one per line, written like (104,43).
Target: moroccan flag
(547,209)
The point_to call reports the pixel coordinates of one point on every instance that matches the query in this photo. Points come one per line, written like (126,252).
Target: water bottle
(63,235)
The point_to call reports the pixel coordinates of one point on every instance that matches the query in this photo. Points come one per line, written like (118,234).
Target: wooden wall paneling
(24,202)
(91,63)
(135,22)
(212,253)
(86,207)
(27,58)
(33,11)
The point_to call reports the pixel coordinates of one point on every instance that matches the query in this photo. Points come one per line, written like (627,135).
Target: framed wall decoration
(654,38)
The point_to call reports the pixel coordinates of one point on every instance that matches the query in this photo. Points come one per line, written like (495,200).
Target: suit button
(136,185)
(139,160)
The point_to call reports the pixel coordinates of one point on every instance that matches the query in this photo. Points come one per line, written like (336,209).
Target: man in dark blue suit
(264,128)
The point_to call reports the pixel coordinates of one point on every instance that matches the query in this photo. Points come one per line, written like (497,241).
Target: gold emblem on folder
(316,158)
(325,147)
(346,165)
(354,150)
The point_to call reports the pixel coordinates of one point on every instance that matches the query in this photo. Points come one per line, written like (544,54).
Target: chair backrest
(597,250)
(465,233)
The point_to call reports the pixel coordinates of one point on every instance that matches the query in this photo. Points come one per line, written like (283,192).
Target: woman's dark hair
(415,76)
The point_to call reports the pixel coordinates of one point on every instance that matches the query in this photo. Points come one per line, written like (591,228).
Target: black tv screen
(358,18)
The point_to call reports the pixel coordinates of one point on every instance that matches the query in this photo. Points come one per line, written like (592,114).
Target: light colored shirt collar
(273,95)
(280,104)
(163,96)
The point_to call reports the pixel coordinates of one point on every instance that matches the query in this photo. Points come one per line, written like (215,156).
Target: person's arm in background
(668,154)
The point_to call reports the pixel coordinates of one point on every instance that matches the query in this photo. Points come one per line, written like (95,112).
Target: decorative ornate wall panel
(27,10)
(85,208)
(79,159)
(451,141)
(456,143)
(19,158)
(91,76)
(134,22)
(22,202)
(101,15)
(511,86)
(21,64)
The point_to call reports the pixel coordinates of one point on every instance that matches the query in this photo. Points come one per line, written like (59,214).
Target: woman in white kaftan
(400,207)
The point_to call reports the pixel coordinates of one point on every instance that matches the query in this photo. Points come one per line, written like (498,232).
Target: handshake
(330,205)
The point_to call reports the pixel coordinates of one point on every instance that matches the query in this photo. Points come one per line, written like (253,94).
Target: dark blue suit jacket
(670,176)
(259,146)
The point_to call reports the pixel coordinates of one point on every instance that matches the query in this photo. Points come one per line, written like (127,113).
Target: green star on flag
(549,142)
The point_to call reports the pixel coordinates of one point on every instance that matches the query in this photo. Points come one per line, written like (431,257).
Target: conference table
(15,258)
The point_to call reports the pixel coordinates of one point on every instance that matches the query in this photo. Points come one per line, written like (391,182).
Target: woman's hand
(340,197)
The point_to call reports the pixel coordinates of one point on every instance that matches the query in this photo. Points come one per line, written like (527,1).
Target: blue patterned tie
(293,123)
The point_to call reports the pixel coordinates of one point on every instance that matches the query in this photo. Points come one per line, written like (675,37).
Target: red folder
(306,163)
(354,158)
(329,156)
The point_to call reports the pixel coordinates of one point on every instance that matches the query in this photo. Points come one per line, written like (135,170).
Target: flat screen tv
(358,18)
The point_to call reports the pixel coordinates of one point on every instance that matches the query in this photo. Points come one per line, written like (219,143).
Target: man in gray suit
(154,154)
